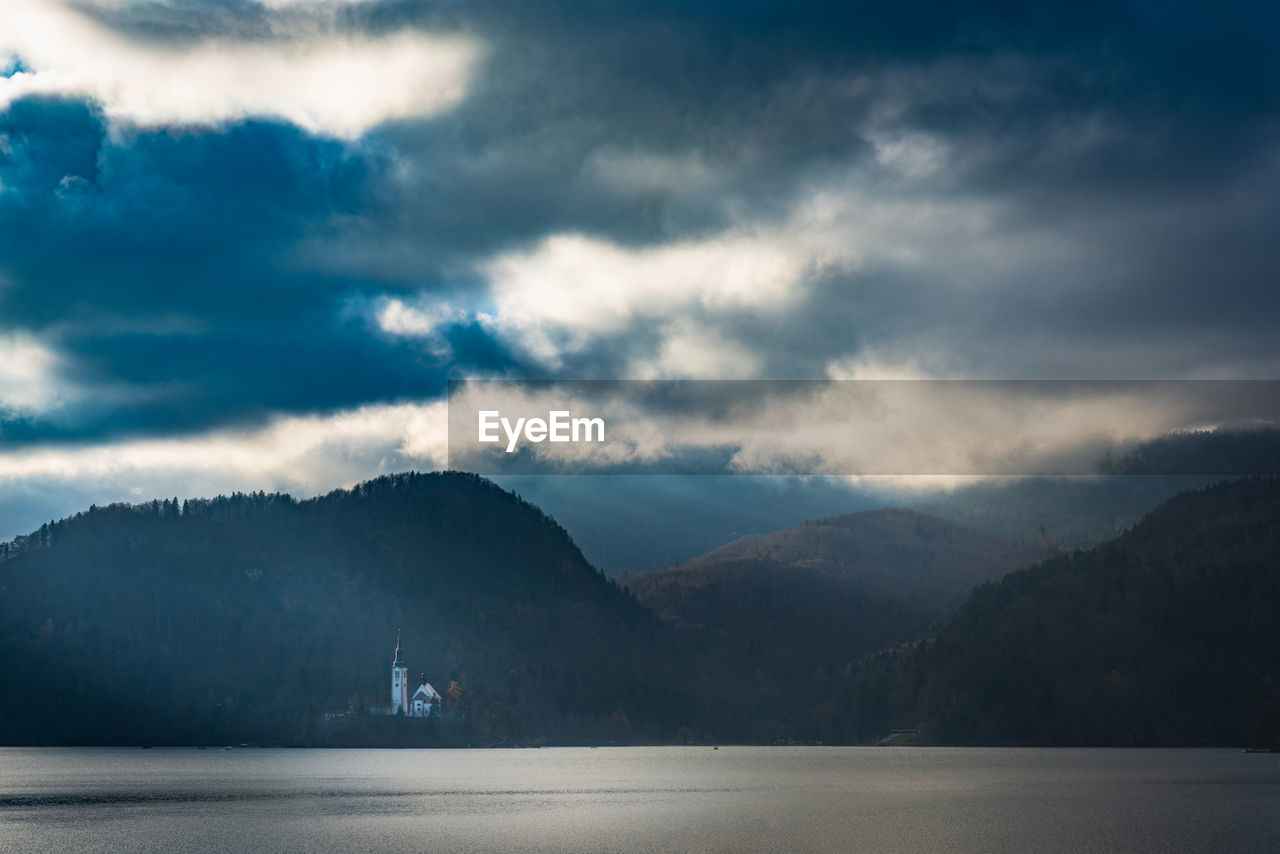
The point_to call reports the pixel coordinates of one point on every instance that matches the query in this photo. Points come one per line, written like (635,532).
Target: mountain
(247,618)
(629,524)
(1219,453)
(637,524)
(1131,480)
(783,613)
(893,553)
(1066,512)
(256,618)
(1166,635)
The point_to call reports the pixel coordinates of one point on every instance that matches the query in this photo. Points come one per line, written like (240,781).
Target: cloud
(215,215)
(426,321)
(168,278)
(28,376)
(639,173)
(887,428)
(570,287)
(691,350)
(914,155)
(307,72)
(305,453)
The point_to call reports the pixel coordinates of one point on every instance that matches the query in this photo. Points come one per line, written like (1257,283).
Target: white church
(424,702)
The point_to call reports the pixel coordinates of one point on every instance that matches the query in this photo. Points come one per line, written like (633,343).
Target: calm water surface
(639,799)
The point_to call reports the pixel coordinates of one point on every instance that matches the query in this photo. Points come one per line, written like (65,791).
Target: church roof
(426,692)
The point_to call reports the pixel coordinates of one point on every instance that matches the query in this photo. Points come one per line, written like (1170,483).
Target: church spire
(399,662)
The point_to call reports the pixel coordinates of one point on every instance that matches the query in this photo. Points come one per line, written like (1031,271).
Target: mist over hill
(1062,512)
(793,607)
(890,559)
(1164,636)
(626,523)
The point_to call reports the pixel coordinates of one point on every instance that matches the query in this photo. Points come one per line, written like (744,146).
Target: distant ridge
(794,607)
(1166,635)
(893,554)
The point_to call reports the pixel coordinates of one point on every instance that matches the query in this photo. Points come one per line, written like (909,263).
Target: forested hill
(892,565)
(246,618)
(1167,635)
(792,608)
(1081,512)
(894,553)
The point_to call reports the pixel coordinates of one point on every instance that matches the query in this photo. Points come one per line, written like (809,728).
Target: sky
(244,245)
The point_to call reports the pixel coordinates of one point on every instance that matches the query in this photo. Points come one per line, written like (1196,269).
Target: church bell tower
(399,683)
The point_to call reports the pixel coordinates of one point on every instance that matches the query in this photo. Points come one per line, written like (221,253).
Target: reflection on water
(639,799)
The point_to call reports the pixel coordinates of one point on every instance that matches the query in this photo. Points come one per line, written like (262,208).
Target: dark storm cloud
(160,263)
(1142,137)
(186,221)
(207,272)
(773,87)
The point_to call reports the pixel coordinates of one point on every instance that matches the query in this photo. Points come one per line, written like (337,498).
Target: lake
(889,799)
